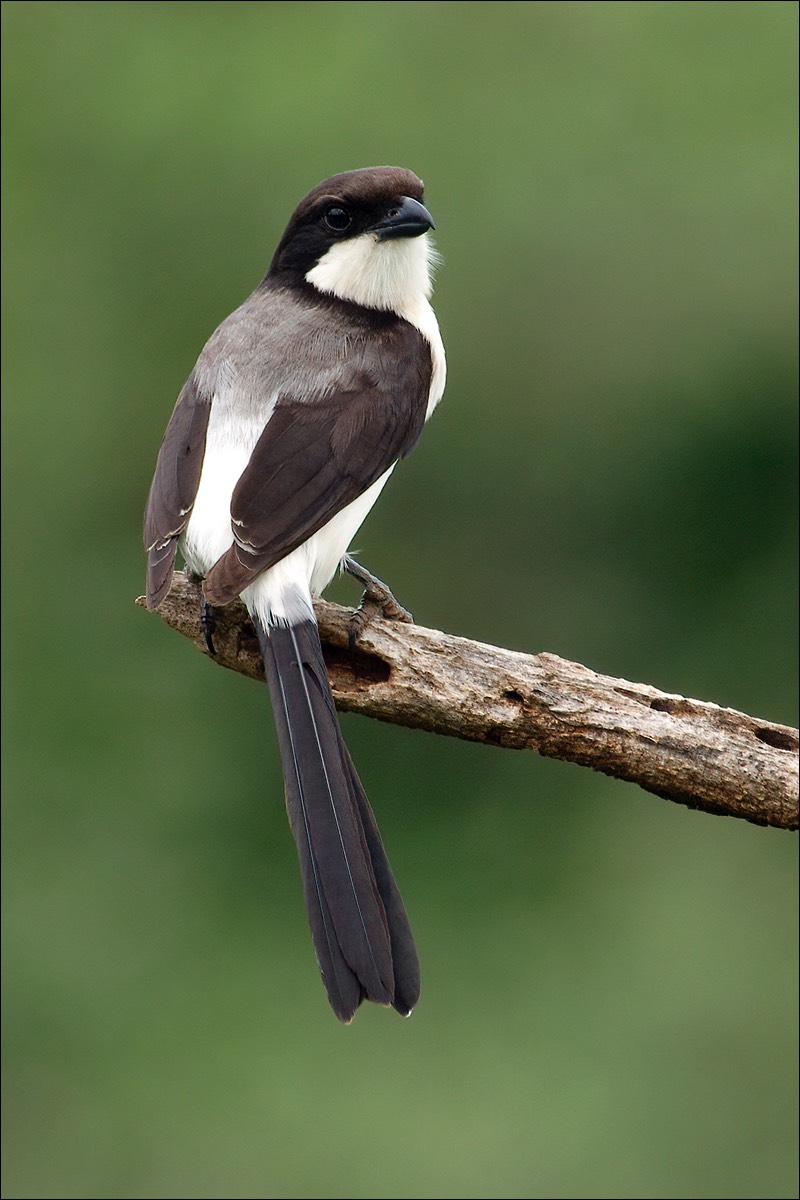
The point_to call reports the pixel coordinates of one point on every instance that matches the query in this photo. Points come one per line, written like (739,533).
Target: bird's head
(363,236)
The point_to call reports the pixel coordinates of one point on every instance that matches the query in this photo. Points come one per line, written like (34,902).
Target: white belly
(282,593)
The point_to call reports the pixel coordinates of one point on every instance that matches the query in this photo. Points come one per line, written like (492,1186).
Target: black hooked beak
(405,218)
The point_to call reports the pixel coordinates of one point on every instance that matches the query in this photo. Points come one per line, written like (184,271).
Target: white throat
(394,275)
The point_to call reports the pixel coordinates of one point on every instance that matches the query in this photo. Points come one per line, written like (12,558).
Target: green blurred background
(609,980)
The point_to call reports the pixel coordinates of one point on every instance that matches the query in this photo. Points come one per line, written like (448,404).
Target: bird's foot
(377,601)
(208,614)
(208,623)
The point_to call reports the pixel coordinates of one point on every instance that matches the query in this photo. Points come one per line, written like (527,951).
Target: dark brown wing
(315,457)
(174,487)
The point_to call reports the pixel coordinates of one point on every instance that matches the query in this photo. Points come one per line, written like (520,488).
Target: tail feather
(404,951)
(361,934)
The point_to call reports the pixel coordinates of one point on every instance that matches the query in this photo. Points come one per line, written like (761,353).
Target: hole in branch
(674,705)
(366,668)
(778,738)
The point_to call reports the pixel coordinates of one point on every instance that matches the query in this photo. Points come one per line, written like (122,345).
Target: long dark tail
(361,933)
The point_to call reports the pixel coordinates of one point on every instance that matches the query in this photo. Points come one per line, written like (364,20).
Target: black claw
(208,623)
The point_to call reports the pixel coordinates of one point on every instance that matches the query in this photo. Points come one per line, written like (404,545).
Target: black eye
(338,219)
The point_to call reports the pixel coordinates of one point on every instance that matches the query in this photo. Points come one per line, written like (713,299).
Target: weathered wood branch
(689,751)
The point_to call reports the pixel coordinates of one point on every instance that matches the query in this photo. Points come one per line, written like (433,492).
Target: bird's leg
(208,623)
(377,601)
(208,615)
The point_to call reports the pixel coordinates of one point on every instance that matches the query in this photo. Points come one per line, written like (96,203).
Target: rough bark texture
(689,751)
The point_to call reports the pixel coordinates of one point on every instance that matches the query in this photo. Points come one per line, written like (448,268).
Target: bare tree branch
(689,751)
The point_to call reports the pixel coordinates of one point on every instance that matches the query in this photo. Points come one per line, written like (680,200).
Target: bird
(298,409)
